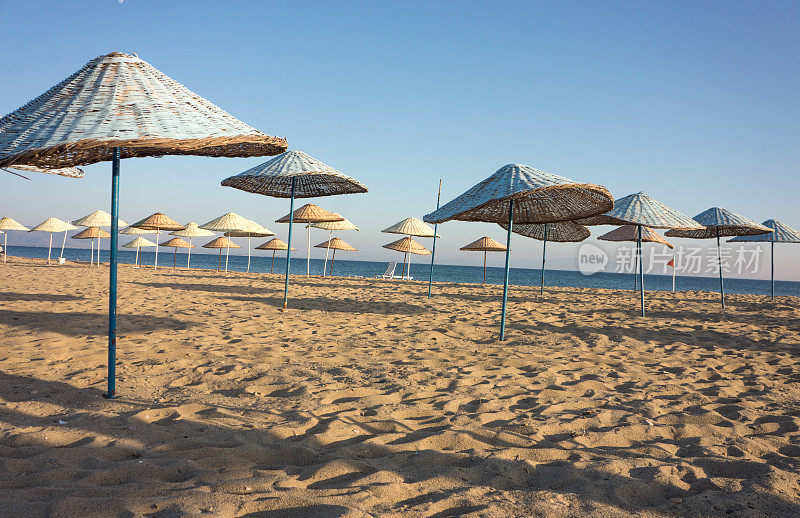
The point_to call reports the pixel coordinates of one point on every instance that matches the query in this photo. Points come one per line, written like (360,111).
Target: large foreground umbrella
(643,211)
(294,174)
(484,244)
(631,233)
(69,172)
(221,242)
(231,222)
(335,244)
(310,213)
(408,246)
(7,224)
(138,243)
(330,226)
(93,233)
(53,225)
(411,227)
(780,234)
(522,194)
(191,230)
(118,106)
(717,222)
(274,245)
(176,243)
(158,222)
(257,231)
(560,232)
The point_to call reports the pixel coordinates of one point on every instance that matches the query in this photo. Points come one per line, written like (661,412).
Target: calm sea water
(441,273)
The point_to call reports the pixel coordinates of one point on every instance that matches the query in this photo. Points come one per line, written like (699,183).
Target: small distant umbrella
(176,243)
(294,174)
(411,227)
(332,226)
(257,231)
(407,246)
(158,222)
(231,222)
(93,233)
(631,233)
(7,224)
(191,230)
(274,245)
(221,242)
(484,244)
(560,232)
(53,225)
(781,234)
(717,222)
(98,218)
(138,243)
(335,244)
(519,193)
(310,213)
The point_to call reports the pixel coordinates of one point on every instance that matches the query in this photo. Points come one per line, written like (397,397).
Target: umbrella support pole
(219,262)
(673,271)
(227,253)
(155,263)
(403,273)
(505,277)
(289,248)
(189,253)
(5,245)
(136,261)
(112,277)
(410,256)
(772,270)
(332,259)
(49,248)
(62,244)
(273,261)
(308,252)
(327,250)
(248,254)
(636,269)
(484,267)
(91,252)
(641,268)
(721,286)
(544,250)
(175,257)
(433,251)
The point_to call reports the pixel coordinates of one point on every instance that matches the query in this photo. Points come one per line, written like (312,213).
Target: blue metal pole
(289,248)
(433,252)
(544,249)
(641,269)
(112,278)
(721,287)
(772,269)
(505,280)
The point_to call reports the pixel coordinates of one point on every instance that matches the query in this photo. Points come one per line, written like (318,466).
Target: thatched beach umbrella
(411,227)
(256,231)
(522,194)
(335,244)
(408,246)
(53,225)
(176,243)
(484,244)
(138,243)
(158,222)
(631,233)
(560,232)
(93,233)
(231,222)
(718,222)
(221,242)
(781,233)
(332,226)
(191,230)
(310,213)
(294,174)
(274,245)
(7,224)
(98,218)
(118,106)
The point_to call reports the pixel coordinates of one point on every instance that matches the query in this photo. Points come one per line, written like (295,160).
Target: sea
(261,262)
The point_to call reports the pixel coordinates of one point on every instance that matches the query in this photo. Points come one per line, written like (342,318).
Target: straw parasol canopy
(53,225)
(98,218)
(410,227)
(138,243)
(630,233)
(335,225)
(133,231)
(118,106)
(484,244)
(92,233)
(176,243)
(310,213)
(408,246)
(781,233)
(69,172)
(158,222)
(336,244)
(256,231)
(274,245)
(221,242)
(7,224)
(191,230)
(232,222)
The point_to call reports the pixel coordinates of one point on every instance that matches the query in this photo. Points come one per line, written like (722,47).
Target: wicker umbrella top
(221,242)
(69,172)
(539,197)
(118,100)
(720,222)
(256,231)
(484,244)
(559,232)
(335,225)
(139,242)
(631,233)
(274,244)
(310,213)
(408,245)
(98,218)
(312,178)
(337,244)
(176,242)
(411,227)
(7,223)
(641,209)
(92,233)
(781,234)
(158,221)
(52,225)
(136,231)
(192,230)
(231,222)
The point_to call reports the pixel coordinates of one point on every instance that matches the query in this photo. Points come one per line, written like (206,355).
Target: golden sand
(366,399)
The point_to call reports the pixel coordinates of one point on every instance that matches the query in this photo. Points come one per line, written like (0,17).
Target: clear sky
(695,103)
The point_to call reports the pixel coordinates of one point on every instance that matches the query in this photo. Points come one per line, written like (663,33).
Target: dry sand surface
(367,399)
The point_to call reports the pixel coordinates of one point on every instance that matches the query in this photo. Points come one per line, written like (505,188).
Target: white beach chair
(389,273)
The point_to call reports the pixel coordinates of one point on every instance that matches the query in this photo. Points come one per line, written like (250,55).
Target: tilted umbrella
(560,232)
(158,222)
(408,246)
(274,245)
(718,222)
(7,224)
(138,243)
(119,106)
(310,213)
(231,222)
(484,244)
(411,227)
(294,174)
(522,194)
(93,233)
(176,243)
(191,230)
(781,233)
(643,211)
(631,233)
(257,231)
(221,242)
(332,226)
(335,244)
(98,218)
(53,225)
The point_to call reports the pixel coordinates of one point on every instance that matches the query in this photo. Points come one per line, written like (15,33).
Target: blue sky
(693,102)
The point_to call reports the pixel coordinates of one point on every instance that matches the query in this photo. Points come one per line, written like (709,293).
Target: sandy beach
(368,399)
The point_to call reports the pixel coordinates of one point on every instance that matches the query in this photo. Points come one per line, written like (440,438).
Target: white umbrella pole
(308,252)
(189,253)
(673,271)
(248,254)
(325,264)
(63,243)
(49,248)
(410,256)
(155,263)
(136,261)
(98,251)
(227,253)
(91,252)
